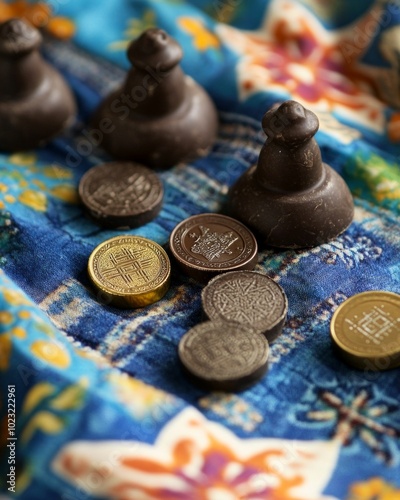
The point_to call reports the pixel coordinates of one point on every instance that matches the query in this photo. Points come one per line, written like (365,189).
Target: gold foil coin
(365,329)
(130,271)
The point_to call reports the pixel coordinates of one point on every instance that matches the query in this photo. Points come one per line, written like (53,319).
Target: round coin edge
(347,351)
(262,361)
(248,255)
(98,215)
(116,291)
(215,316)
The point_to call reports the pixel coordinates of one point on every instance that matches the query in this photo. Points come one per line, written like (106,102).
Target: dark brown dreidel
(291,199)
(35,102)
(160,116)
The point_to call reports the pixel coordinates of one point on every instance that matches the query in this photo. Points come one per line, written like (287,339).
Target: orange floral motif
(294,55)
(374,489)
(203,38)
(195,459)
(40,15)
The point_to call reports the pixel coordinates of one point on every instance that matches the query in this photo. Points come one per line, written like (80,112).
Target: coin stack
(246,311)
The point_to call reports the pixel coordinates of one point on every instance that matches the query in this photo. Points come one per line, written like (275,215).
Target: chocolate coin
(121,194)
(248,298)
(224,356)
(209,244)
(365,330)
(130,271)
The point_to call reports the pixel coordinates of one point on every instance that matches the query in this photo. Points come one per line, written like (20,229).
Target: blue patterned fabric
(103,409)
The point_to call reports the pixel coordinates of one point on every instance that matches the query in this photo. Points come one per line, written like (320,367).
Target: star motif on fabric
(294,54)
(194,458)
(357,418)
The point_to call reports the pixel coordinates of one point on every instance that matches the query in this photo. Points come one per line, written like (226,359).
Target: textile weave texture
(103,409)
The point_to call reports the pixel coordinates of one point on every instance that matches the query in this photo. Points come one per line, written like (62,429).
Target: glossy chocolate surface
(159,117)
(35,102)
(291,199)
(121,194)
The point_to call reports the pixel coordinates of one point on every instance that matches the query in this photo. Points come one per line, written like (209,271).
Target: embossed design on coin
(208,244)
(212,245)
(374,325)
(132,266)
(118,194)
(249,298)
(224,356)
(365,330)
(130,270)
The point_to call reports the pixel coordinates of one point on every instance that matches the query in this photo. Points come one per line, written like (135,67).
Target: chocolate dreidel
(290,199)
(35,102)
(160,116)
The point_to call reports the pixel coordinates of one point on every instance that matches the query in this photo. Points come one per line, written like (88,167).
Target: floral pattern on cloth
(41,356)
(39,14)
(195,459)
(295,56)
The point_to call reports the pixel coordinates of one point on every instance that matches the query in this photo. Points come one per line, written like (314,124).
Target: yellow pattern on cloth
(203,38)
(32,183)
(373,489)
